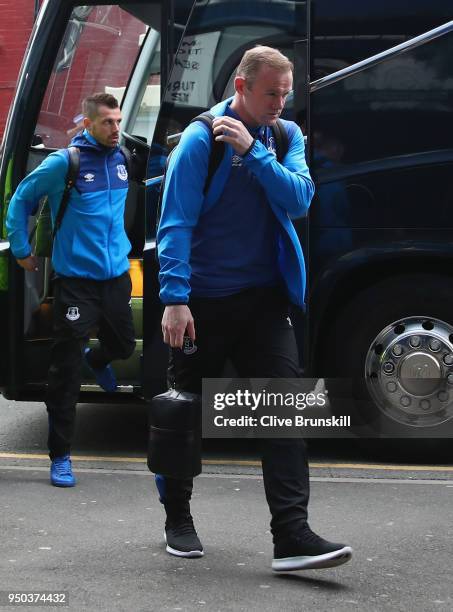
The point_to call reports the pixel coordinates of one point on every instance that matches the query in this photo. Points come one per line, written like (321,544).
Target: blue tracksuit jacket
(287,187)
(91,242)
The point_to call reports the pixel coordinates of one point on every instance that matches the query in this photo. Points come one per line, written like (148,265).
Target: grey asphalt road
(102,543)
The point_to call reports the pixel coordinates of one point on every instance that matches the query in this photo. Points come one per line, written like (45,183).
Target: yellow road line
(380,466)
(74,457)
(249,463)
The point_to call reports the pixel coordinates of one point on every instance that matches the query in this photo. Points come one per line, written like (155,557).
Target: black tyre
(393,343)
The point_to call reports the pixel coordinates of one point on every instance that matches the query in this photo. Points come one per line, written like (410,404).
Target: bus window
(144,120)
(208,55)
(410,98)
(97,53)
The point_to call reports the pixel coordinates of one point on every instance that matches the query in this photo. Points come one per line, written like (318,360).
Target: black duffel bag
(174,443)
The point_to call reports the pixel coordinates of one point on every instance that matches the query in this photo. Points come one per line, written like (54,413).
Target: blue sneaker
(61,472)
(160,484)
(105,378)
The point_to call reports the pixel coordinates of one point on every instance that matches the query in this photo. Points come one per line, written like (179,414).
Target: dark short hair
(91,104)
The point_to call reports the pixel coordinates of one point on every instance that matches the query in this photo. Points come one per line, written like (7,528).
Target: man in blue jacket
(230,263)
(92,286)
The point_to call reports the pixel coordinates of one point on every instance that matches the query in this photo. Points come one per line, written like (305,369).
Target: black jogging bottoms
(253,329)
(80,305)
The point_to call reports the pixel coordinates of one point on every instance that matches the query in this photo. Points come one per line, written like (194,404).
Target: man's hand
(227,129)
(29,263)
(176,321)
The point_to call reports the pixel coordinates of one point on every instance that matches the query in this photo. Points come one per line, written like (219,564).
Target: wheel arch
(341,286)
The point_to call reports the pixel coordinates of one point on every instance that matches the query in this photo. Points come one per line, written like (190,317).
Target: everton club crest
(73,313)
(122,172)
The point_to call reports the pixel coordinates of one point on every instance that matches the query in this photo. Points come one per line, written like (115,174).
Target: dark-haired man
(231,262)
(90,258)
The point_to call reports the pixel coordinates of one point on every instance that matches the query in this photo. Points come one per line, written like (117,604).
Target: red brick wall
(16,21)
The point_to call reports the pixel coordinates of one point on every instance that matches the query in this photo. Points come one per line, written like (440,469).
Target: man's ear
(86,123)
(239,85)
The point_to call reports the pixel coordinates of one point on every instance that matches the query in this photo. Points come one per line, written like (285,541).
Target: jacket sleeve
(181,205)
(47,179)
(287,184)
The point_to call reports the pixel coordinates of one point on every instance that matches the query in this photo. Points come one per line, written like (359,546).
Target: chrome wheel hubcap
(409,371)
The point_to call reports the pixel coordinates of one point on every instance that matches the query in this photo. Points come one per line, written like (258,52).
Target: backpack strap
(215,157)
(217,149)
(71,177)
(281,139)
(129,162)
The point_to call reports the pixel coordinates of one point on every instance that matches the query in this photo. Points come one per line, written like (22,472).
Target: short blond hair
(261,55)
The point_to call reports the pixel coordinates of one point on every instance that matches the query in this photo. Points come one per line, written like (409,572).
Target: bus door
(77,50)
(216,36)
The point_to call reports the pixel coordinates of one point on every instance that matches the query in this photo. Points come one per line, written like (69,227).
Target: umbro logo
(89,178)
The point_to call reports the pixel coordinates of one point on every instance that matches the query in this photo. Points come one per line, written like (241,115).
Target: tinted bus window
(410,100)
(217,35)
(346,32)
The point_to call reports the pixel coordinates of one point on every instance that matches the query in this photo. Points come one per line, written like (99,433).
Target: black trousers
(253,329)
(79,306)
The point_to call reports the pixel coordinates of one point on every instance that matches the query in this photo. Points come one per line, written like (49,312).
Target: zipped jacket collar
(85,141)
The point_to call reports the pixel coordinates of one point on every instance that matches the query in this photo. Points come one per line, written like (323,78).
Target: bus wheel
(394,342)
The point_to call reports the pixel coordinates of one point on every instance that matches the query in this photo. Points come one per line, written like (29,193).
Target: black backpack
(216,155)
